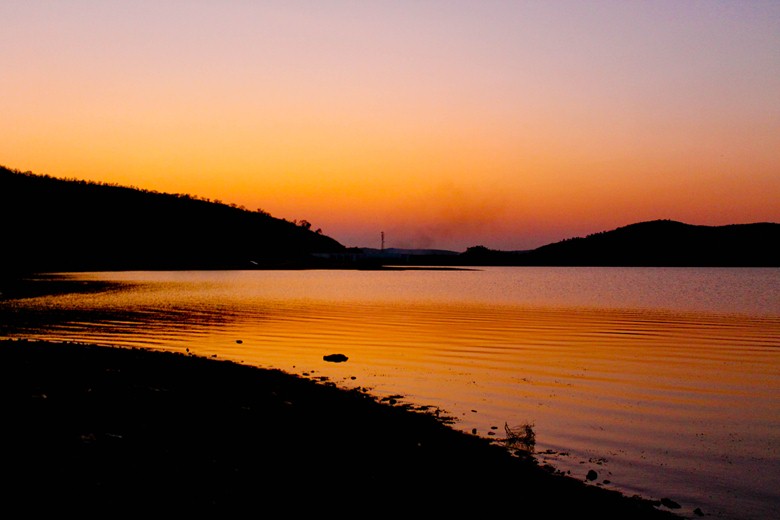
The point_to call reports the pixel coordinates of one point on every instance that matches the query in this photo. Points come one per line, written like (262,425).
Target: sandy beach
(104,431)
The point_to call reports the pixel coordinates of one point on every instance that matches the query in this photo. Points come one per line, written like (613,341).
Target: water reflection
(663,381)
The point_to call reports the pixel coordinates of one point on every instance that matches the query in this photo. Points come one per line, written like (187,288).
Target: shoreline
(107,429)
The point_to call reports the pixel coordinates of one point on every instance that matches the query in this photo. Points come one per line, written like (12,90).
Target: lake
(665,381)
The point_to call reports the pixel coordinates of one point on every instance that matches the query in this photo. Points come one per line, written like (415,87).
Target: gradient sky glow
(445,124)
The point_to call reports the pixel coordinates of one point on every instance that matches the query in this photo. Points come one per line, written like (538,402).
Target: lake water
(665,381)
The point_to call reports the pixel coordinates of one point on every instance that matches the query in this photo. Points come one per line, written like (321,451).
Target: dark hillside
(655,243)
(69,225)
(667,243)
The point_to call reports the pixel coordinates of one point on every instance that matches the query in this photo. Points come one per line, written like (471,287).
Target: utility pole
(383,241)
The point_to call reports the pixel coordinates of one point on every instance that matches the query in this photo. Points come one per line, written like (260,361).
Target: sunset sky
(445,124)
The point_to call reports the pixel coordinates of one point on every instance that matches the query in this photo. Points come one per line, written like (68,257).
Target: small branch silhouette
(521,437)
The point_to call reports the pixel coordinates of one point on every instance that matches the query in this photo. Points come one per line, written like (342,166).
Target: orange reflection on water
(678,393)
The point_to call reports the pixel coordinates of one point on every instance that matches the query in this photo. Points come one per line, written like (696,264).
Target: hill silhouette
(55,224)
(657,243)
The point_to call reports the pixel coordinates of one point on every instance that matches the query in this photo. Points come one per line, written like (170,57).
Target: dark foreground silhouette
(105,432)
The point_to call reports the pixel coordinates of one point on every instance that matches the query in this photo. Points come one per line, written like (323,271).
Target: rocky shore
(100,431)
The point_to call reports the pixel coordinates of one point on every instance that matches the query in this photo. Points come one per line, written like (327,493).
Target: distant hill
(54,224)
(653,243)
(394,251)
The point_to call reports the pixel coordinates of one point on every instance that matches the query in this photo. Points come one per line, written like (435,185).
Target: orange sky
(444,124)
